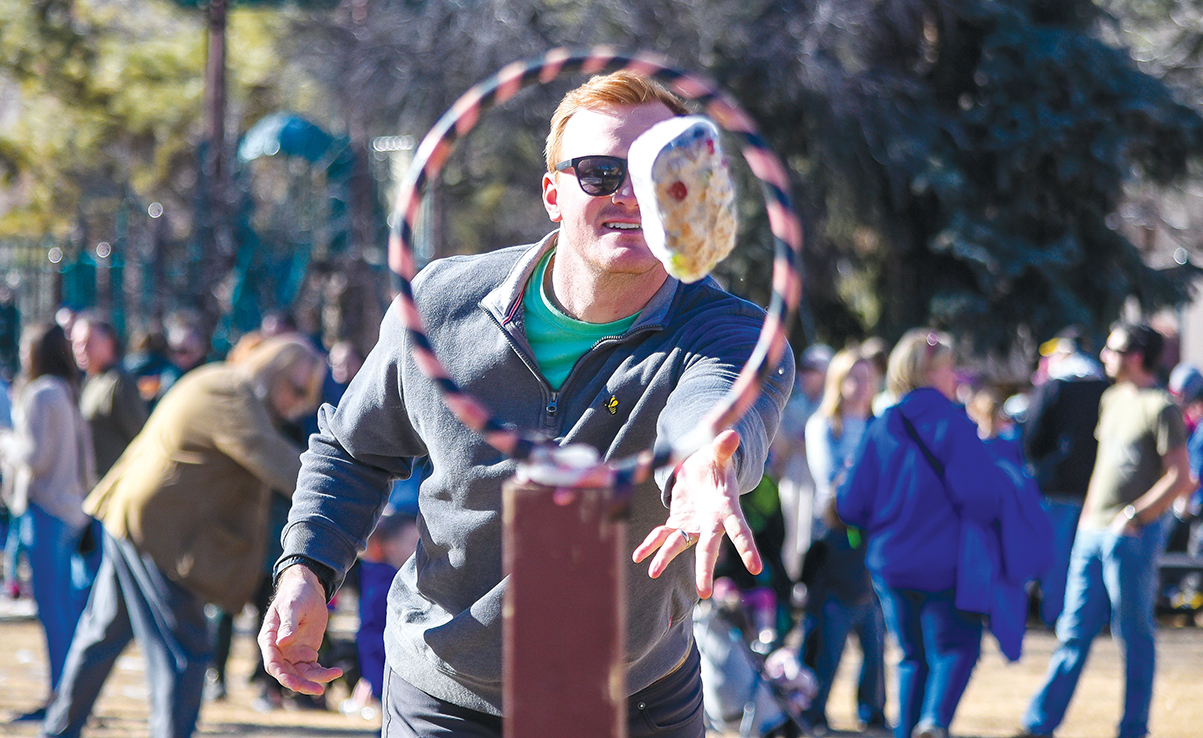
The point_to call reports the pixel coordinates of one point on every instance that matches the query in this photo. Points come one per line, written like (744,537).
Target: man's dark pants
(669,708)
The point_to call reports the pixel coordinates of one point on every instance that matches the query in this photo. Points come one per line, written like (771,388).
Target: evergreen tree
(962,164)
(968,159)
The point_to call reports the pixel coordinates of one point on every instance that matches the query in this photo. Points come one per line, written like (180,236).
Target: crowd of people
(141,486)
(904,468)
(890,496)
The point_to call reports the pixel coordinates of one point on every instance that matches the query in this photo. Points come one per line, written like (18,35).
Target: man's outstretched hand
(292,633)
(704,507)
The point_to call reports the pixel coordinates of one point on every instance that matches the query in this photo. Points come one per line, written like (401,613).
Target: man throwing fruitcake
(583,337)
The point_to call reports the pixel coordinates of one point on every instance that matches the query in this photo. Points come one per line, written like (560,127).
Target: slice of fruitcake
(686,200)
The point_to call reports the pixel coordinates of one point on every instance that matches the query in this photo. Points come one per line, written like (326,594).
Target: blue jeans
(12,548)
(1110,575)
(59,579)
(940,646)
(1064,515)
(830,626)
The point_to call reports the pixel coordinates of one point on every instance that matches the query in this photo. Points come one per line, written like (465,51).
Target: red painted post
(565,615)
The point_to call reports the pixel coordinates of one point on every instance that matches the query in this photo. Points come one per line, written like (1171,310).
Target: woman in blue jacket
(908,493)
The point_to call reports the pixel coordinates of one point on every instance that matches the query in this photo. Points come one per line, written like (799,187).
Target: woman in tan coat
(184,512)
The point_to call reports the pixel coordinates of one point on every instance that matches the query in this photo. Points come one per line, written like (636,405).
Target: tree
(100,108)
(957,163)
(962,164)
(1166,41)
(969,158)
(110,122)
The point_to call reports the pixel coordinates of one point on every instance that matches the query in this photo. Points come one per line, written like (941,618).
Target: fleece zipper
(522,349)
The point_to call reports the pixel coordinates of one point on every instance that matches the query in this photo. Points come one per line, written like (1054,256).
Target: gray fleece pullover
(445,606)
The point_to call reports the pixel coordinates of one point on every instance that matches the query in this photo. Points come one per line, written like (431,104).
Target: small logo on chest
(612,405)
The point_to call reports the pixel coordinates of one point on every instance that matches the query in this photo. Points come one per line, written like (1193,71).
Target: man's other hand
(292,632)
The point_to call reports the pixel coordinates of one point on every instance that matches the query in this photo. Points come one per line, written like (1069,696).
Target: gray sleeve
(347,472)
(719,356)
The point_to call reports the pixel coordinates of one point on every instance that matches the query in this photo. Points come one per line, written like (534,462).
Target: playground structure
(291,230)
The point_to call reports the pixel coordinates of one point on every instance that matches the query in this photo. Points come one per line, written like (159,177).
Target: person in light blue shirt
(787,461)
(834,432)
(841,599)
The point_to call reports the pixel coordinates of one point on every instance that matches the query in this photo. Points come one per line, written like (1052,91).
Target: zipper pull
(553,403)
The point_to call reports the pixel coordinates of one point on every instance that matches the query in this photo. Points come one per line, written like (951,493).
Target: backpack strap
(931,459)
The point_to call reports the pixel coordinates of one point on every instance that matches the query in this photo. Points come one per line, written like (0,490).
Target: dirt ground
(991,708)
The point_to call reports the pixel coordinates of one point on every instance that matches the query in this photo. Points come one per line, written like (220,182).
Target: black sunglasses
(598,175)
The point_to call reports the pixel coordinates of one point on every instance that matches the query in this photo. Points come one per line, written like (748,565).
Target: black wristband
(324,574)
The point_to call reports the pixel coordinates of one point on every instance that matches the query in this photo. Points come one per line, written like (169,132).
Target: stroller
(746,686)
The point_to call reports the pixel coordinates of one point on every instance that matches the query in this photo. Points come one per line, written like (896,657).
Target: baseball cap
(1067,341)
(1186,383)
(816,358)
(1058,346)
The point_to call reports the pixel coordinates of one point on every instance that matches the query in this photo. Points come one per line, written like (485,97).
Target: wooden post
(565,615)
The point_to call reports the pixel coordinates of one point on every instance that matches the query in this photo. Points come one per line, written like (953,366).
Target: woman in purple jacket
(923,467)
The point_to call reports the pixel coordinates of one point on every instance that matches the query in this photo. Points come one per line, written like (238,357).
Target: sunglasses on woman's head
(598,176)
(933,343)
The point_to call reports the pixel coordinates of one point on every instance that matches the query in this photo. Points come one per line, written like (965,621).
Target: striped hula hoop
(432,153)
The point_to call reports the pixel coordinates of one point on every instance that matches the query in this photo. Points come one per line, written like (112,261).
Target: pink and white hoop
(432,153)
